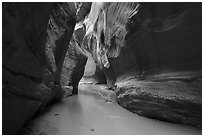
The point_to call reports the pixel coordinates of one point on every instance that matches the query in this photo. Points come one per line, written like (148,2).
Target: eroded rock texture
(168,49)
(74,64)
(157,47)
(36,38)
(105,28)
(177,99)
(24,62)
(99,76)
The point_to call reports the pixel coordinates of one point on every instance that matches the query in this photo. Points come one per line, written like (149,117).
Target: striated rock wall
(161,64)
(36,38)
(175,100)
(161,50)
(24,63)
(105,25)
(153,36)
(155,42)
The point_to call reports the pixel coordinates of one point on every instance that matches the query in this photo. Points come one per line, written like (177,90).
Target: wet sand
(92,112)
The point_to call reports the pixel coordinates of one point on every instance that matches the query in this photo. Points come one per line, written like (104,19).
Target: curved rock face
(164,55)
(99,76)
(151,51)
(105,27)
(36,38)
(153,48)
(157,45)
(155,35)
(83,8)
(74,64)
(24,62)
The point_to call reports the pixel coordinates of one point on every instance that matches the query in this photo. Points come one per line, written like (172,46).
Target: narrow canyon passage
(94,112)
(136,65)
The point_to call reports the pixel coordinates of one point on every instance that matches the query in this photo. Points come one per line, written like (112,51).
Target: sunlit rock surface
(158,50)
(151,51)
(106,27)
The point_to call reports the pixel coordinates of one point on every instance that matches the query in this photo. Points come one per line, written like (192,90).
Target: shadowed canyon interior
(148,54)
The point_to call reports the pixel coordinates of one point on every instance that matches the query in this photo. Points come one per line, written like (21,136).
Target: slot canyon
(101,68)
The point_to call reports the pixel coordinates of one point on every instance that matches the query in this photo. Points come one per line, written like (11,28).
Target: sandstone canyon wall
(157,33)
(153,53)
(163,50)
(35,42)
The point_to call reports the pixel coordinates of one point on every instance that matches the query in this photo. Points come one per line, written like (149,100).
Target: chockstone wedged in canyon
(150,54)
